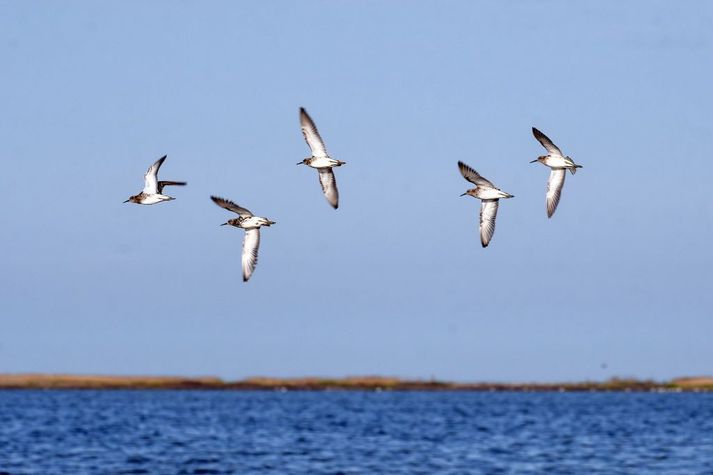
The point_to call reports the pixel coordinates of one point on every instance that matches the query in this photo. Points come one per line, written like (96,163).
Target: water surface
(215,432)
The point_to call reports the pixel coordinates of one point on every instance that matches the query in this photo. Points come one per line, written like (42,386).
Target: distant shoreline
(365,383)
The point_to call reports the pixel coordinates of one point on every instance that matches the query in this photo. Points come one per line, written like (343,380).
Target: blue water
(194,432)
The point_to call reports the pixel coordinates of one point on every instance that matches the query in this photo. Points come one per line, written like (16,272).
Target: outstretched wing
(230,206)
(554,189)
(473,176)
(309,130)
(161,184)
(151,177)
(251,243)
(488,212)
(329,186)
(546,142)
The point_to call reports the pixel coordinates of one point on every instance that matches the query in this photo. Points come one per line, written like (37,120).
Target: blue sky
(395,282)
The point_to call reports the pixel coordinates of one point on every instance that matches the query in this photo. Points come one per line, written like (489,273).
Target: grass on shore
(66,381)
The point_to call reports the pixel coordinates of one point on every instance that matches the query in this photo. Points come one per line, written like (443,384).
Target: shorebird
(320,159)
(558,164)
(153,189)
(488,194)
(251,224)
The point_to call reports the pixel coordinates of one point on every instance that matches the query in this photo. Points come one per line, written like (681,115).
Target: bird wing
(251,243)
(161,184)
(546,142)
(488,212)
(329,186)
(151,177)
(230,206)
(554,189)
(473,176)
(309,130)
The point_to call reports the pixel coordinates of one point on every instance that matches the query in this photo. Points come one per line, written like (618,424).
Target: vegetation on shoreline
(363,383)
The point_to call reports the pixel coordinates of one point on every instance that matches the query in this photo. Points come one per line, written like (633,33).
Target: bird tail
(573,170)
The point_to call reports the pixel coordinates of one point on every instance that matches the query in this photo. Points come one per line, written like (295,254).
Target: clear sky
(395,281)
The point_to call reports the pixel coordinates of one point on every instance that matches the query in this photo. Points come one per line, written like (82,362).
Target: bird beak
(127,201)
(224,224)
(299,163)
(535,160)
(464,193)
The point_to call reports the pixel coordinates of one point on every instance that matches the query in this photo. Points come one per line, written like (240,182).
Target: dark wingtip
(485,244)
(462,166)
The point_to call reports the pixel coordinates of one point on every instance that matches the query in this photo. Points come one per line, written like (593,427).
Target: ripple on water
(196,432)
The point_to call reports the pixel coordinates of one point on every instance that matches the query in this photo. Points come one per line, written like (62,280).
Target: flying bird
(251,224)
(153,189)
(558,164)
(320,159)
(489,195)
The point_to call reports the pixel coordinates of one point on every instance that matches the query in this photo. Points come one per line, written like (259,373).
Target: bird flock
(488,194)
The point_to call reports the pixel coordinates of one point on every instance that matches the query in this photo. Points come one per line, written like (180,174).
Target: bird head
(232,222)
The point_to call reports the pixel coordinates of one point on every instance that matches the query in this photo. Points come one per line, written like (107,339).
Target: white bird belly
(253,222)
(490,194)
(557,162)
(322,162)
(153,199)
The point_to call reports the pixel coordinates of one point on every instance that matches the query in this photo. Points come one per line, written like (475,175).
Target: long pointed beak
(299,163)
(535,160)
(127,201)
(464,193)
(224,224)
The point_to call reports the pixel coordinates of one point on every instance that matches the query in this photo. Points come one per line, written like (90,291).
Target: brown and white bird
(320,159)
(489,196)
(559,164)
(251,224)
(153,189)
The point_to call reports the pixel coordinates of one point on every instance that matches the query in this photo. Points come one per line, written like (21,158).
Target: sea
(344,432)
